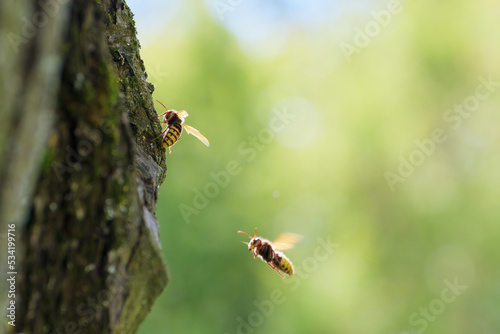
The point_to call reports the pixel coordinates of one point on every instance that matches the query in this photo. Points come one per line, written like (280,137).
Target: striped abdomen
(278,259)
(172,135)
(283,263)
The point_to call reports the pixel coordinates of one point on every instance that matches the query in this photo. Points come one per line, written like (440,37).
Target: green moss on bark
(92,223)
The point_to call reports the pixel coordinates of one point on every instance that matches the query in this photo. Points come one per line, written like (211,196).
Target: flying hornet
(269,251)
(175,122)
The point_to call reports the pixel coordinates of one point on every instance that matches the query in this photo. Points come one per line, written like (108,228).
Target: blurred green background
(372,126)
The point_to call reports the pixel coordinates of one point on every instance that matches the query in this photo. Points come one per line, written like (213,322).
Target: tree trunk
(78,171)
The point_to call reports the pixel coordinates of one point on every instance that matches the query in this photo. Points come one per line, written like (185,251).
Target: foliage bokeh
(324,175)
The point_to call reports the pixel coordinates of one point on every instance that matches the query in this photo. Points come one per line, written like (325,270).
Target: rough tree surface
(78,172)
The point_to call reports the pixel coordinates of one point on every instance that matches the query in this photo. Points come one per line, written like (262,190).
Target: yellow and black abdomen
(283,263)
(173,134)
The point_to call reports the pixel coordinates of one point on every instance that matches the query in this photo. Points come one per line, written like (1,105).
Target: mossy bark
(88,251)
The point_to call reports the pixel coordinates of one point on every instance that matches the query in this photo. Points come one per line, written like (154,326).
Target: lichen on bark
(90,259)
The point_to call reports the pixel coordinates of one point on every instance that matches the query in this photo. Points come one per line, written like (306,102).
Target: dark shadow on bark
(78,173)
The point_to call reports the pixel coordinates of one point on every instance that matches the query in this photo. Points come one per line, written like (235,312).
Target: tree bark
(79,173)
